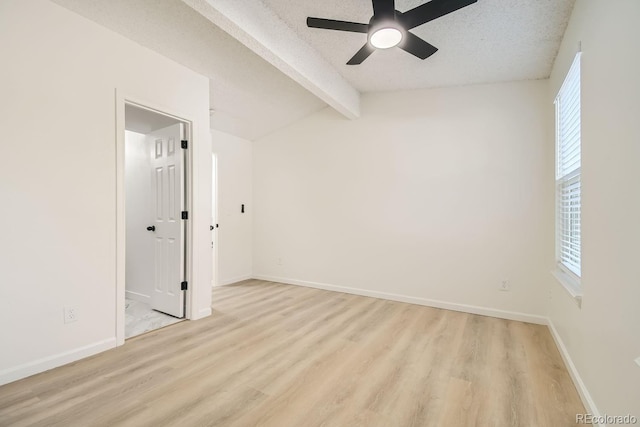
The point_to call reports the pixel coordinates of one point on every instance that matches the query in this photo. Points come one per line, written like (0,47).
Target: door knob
(151,228)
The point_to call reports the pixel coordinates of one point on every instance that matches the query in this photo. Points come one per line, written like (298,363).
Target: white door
(167,185)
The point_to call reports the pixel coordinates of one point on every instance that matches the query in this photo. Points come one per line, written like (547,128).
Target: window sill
(570,284)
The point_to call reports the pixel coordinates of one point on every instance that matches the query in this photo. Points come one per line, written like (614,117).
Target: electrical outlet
(638,360)
(278,261)
(70,314)
(505,286)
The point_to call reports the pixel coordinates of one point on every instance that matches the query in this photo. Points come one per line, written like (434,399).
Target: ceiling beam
(253,24)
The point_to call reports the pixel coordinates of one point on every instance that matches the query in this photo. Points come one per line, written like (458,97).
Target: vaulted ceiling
(267,69)
(489,41)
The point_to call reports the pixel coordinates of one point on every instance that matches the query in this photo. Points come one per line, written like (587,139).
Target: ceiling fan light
(386,37)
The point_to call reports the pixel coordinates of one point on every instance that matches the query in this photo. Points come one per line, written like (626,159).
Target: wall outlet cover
(70,314)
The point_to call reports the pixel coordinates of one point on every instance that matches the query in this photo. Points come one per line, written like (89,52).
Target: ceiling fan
(389,27)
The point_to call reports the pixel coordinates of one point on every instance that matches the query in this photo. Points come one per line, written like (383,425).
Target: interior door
(167,187)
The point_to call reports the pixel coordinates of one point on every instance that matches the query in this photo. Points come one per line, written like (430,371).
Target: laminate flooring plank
(280,355)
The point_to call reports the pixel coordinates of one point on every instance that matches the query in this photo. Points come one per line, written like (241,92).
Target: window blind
(568,162)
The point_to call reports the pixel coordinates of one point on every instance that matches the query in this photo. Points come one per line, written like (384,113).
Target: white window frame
(569,183)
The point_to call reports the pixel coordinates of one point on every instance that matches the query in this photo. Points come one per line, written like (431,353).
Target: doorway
(155,184)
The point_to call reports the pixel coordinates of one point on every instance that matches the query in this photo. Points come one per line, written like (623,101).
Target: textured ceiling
(251,98)
(489,41)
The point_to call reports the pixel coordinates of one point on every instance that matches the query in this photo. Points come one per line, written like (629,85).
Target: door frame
(122,100)
(214,215)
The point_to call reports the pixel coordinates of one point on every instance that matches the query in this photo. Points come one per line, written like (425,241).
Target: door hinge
(183,286)
(184,144)
(185,214)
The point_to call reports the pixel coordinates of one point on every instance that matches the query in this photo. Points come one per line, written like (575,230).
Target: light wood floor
(280,355)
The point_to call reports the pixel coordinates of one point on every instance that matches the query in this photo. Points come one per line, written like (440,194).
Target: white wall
(58,183)
(603,337)
(436,195)
(139,244)
(235,239)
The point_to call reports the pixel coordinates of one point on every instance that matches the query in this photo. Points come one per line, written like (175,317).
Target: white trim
(214,214)
(483,311)
(569,284)
(136,296)
(50,362)
(205,312)
(568,188)
(122,99)
(234,280)
(584,394)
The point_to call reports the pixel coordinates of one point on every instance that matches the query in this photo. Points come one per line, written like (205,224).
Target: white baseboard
(234,280)
(202,313)
(137,296)
(584,394)
(484,311)
(50,362)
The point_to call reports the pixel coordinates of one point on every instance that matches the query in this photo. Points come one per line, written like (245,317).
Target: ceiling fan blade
(330,24)
(384,8)
(362,54)
(430,11)
(416,46)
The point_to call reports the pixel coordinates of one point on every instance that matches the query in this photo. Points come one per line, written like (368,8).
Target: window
(568,182)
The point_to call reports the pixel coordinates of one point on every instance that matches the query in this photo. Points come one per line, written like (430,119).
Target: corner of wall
(583,392)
